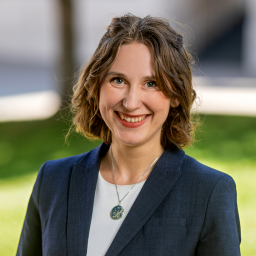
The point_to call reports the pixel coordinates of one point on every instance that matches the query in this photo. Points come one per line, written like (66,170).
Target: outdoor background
(44,43)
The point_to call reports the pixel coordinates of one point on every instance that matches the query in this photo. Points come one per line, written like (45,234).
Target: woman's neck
(130,162)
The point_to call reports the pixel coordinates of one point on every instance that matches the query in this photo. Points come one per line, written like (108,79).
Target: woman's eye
(150,84)
(118,81)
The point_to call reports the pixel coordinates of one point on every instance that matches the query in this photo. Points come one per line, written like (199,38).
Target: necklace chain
(113,168)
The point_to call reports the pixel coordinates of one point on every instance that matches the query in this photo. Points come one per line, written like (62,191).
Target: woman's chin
(131,140)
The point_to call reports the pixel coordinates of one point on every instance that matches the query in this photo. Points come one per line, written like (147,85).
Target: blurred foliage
(225,139)
(25,146)
(226,143)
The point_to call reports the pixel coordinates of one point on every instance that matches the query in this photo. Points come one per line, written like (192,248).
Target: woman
(137,193)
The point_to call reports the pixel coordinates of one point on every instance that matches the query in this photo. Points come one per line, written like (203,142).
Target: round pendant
(117,212)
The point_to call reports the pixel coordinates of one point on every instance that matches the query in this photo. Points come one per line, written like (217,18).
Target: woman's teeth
(132,119)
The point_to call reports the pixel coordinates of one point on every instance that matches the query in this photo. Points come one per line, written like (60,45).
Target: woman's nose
(132,99)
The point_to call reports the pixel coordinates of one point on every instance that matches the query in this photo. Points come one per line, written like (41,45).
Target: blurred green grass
(226,143)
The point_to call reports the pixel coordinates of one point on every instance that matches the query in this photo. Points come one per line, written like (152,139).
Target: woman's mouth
(130,119)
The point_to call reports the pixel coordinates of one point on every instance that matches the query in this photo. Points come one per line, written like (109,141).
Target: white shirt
(103,229)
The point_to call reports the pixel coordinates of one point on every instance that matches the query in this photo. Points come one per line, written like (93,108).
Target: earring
(175,103)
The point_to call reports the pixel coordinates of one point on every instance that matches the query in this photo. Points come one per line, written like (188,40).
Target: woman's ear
(175,103)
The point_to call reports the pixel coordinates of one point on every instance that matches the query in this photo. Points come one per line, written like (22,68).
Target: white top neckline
(103,229)
(118,185)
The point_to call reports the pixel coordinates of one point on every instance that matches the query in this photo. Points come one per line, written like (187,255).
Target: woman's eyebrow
(149,78)
(112,73)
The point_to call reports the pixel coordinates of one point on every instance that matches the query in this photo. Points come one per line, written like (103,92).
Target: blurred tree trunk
(67,55)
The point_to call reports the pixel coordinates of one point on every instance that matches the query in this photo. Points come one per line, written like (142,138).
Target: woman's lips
(132,124)
(131,118)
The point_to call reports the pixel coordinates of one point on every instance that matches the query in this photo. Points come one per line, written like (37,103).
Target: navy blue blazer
(184,209)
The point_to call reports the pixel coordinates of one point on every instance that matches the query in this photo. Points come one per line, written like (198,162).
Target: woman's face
(130,102)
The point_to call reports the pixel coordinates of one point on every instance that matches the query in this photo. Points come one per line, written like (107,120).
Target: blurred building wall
(206,19)
(249,39)
(30,29)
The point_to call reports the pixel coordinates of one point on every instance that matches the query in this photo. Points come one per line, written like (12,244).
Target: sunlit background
(44,43)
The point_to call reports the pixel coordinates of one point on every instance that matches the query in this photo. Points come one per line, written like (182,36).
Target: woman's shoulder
(61,166)
(54,169)
(204,174)
(54,175)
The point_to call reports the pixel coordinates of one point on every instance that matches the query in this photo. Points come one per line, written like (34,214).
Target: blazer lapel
(159,183)
(80,201)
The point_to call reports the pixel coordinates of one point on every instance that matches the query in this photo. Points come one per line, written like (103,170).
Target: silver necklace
(117,212)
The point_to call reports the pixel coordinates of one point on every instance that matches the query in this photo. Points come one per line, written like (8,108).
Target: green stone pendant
(117,212)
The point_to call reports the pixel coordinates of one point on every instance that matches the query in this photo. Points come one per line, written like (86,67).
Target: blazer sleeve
(31,235)
(221,233)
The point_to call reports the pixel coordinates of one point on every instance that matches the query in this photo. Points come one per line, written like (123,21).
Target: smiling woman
(138,193)
(165,62)
(129,98)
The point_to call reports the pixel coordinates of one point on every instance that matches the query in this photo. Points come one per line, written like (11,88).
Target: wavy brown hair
(172,70)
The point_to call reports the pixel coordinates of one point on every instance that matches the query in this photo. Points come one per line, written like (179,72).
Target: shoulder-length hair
(172,71)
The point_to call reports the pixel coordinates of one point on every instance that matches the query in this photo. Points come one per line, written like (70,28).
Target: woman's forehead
(133,59)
